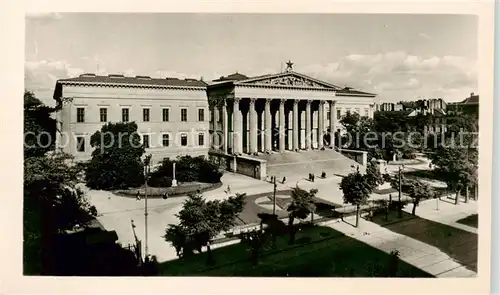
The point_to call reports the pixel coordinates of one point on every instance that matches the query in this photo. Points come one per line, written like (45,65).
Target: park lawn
(471,220)
(318,251)
(459,244)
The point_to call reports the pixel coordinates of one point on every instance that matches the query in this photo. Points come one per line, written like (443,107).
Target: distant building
(434,106)
(470,105)
(389,107)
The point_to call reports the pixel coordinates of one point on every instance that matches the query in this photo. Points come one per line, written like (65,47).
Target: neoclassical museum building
(279,112)
(236,115)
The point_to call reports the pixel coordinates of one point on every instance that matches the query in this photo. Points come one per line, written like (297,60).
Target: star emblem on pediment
(289,66)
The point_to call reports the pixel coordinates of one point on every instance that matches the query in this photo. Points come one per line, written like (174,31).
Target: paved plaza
(116,213)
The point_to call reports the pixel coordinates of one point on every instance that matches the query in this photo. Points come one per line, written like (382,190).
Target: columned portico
(282,112)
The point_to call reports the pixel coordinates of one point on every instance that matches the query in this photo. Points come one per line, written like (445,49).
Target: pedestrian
(138,196)
(284,179)
(228,189)
(165,195)
(312,177)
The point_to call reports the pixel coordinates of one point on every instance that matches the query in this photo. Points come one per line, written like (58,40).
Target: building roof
(240,79)
(351,91)
(233,77)
(137,80)
(473,99)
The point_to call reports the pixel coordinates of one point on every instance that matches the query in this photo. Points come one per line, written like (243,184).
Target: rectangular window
(80,115)
(80,144)
(201,115)
(339,113)
(166,140)
(184,139)
(366,112)
(145,115)
(328,115)
(103,114)
(201,139)
(125,115)
(184,115)
(166,115)
(145,141)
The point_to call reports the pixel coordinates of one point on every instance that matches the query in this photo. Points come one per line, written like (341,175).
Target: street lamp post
(400,169)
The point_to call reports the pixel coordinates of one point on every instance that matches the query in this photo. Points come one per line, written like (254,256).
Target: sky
(397,56)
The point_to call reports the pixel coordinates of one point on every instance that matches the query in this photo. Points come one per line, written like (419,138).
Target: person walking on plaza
(284,179)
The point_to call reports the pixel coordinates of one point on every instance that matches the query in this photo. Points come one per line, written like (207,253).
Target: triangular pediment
(288,79)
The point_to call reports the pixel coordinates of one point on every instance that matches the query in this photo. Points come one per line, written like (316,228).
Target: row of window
(103,115)
(80,141)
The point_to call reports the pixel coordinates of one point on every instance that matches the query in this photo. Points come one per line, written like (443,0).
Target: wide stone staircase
(295,165)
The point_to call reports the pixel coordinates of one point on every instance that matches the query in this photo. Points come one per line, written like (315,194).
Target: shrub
(187,169)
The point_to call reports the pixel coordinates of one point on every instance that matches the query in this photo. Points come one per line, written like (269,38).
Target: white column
(308,125)
(282,126)
(225,127)
(237,127)
(295,125)
(333,123)
(321,123)
(262,132)
(253,126)
(268,123)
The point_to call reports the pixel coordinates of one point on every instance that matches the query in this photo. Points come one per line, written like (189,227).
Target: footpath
(414,252)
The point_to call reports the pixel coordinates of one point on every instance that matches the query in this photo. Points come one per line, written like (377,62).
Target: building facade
(171,114)
(279,112)
(234,115)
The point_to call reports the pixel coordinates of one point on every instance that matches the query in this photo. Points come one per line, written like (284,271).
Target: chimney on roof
(87,75)
(472,94)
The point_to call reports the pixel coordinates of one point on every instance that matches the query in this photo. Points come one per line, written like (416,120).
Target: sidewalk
(414,252)
(445,212)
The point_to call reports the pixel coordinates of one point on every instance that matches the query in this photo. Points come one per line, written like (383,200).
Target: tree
(116,159)
(301,206)
(39,127)
(256,240)
(201,221)
(356,189)
(52,204)
(373,175)
(417,190)
(457,166)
